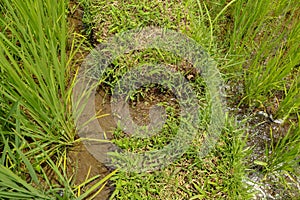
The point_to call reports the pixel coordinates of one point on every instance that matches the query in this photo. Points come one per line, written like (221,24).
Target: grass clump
(105,18)
(218,176)
(267,34)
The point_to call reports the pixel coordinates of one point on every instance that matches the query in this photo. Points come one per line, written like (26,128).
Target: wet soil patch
(264,132)
(82,165)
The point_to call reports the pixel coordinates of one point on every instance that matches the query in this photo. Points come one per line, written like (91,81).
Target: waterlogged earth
(80,158)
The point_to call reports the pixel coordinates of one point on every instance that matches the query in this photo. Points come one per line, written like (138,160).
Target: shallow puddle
(87,167)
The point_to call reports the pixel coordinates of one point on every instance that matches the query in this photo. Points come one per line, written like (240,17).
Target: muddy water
(258,127)
(84,161)
(262,131)
(80,158)
(87,167)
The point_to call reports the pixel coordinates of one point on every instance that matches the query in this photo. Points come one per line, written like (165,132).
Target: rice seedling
(267,34)
(34,69)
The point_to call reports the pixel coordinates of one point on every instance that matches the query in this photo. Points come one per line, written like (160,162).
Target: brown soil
(82,164)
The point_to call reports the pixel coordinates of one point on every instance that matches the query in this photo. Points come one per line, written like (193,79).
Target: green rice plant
(34,69)
(36,124)
(269,78)
(283,154)
(13,187)
(267,35)
(291,103)
(247,16)
(18,175)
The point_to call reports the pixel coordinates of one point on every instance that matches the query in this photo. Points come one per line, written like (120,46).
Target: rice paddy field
(194,99)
